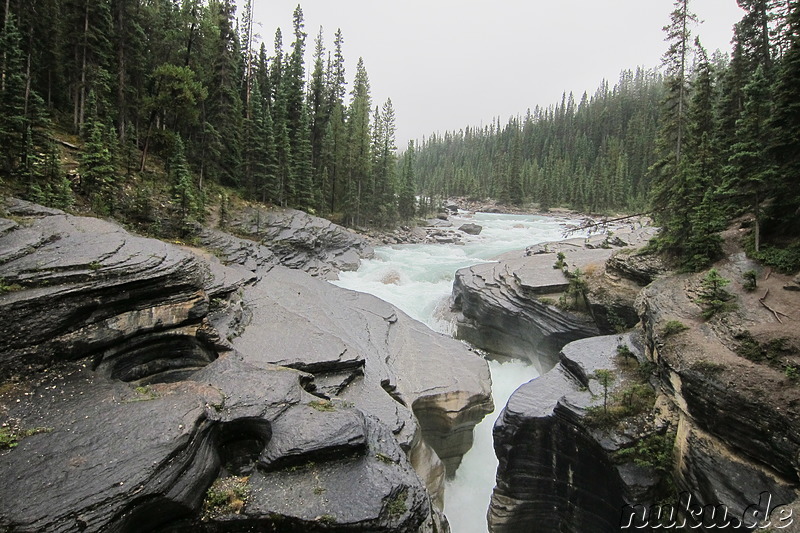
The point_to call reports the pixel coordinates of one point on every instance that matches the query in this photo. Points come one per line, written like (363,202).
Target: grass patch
(226,496)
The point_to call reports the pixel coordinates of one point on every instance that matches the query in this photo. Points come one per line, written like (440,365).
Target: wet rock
(555,473)
(302,241)
(471,229)
(509,307)
(86,286)
(144,372)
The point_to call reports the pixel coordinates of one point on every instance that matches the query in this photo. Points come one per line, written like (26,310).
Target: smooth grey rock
(97,306)
(554,473)
(89,287)
(302,241)
(471,229)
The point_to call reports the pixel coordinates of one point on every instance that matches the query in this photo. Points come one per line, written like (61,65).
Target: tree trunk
(82,92)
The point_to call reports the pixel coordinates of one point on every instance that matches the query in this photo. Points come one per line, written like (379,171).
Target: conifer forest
(180,94)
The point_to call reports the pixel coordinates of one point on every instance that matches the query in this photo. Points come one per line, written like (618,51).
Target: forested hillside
(592,155)
(705,141)
(185,83)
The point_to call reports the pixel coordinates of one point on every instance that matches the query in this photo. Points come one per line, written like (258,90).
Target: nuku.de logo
(688,514)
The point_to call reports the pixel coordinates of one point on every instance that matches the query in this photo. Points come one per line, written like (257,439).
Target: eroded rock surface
(138,376)
(556,473)
(296,239)
(509,307)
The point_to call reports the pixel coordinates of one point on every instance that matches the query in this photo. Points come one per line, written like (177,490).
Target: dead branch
(589,224)
(776,313)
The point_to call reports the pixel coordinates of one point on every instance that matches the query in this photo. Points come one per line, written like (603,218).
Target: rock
(508,307)
(302,241)
(142,373)
(471,229)
(453,208)
(499,311)
(438,223)
(91,288)
(735,421)
(642,269)
(554,473)
(443,215)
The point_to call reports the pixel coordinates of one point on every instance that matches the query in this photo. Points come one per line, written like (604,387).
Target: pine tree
(750,170)
(183,195)
(785,128)
(98,174)
(13,121)
(406,203)
(670,181)
(358,164)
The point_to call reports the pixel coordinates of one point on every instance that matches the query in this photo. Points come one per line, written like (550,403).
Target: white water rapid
(418,279)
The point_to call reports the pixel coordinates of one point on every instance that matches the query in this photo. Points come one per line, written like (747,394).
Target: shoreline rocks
(139,376)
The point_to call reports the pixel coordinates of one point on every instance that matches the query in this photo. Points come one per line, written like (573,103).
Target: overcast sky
(447,64)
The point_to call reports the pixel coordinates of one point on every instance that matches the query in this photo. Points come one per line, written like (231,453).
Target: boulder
(471,229)
(139,377)
(299,240)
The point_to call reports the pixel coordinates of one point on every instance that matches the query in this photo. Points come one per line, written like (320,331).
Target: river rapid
(418,279)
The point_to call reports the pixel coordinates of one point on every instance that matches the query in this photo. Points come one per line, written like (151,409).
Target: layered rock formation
(298,240)
(509,307)
(556,470)
(726,425)
(148,387)
(738,423)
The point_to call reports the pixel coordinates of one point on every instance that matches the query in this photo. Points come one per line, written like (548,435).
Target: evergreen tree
(750,171)
(406,203)
(785,128)
(13,120)
(98,174)
(183,195)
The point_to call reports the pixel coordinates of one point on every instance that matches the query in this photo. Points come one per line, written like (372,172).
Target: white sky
(447,64)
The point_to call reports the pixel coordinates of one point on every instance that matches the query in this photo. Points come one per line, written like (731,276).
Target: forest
(698,143)
(180,97)
(182,92)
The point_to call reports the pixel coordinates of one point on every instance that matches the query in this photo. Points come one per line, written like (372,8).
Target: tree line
(592,155)
(188,82)
(702,141)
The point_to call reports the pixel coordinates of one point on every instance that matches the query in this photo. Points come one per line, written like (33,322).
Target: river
(418,279)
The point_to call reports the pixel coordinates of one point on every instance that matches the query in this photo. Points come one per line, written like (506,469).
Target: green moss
(322,405)
(10,436)
(226,496)
(327,519)
(9,287)
(380,456)
(397,504)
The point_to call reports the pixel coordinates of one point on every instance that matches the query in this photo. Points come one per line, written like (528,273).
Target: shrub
(713,297)
(560,264)
(673,327)
(750,283)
